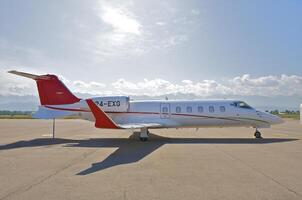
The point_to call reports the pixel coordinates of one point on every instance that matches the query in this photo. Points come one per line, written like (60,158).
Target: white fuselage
(193,113)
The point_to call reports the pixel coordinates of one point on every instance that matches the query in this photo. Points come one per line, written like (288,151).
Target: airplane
(120,112)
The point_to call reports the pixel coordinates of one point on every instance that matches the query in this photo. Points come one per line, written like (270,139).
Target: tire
(143,139)
(257,135)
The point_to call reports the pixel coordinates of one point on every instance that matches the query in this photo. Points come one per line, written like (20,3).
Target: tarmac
(83,162)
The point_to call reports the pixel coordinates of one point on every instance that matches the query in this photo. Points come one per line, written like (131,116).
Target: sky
(211,48)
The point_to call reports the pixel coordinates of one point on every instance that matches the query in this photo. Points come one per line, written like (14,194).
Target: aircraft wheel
(257,135)
(144,134)
(143,139)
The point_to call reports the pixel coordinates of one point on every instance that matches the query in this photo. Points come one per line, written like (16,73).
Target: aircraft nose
(270,118)
(277,120)
(274,119)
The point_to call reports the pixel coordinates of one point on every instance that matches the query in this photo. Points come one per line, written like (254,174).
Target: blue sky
(207,48)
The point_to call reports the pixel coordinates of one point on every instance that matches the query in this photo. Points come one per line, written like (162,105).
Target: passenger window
(189,109)
(178,109)
(200,109)
(211,109)
(222,109)
(165,109)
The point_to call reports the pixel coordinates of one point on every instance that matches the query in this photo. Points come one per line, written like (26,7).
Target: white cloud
(12,54)
(284,85)
(123,33)
(267,85)
(12,85)
(243,85)
(124,36)
(195,12)
(120,20)
(83,87)
(175,39)
(161,23)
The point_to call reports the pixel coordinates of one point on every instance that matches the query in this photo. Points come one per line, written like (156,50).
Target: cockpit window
(244,105)
(241,104)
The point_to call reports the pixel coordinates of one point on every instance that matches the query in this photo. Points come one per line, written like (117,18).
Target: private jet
(120,112)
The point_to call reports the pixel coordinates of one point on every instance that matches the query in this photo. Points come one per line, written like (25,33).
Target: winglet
(102,120)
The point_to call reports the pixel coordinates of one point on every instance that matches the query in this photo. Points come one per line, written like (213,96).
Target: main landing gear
(257,134)
(144,134)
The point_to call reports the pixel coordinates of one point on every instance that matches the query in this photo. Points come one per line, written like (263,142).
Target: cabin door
(165,110)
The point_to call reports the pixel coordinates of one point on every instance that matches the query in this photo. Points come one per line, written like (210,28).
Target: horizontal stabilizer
(28,75)
(46,113)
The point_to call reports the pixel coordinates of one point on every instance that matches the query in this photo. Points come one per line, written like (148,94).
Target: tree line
(7,112)
(288,112)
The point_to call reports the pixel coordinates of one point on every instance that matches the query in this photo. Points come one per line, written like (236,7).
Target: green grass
(290,116)
(29,117)
(15,117)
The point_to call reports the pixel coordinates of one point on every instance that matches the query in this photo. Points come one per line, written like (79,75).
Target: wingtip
(11,71)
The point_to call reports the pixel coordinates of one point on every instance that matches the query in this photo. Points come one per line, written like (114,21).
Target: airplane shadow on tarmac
(131,150)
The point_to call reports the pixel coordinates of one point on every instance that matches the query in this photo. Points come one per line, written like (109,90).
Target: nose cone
(277,120)
(273,119)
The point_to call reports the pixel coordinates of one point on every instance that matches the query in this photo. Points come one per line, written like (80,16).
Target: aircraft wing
(139,125)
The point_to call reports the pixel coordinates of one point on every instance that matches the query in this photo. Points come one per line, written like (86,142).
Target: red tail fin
(51,90)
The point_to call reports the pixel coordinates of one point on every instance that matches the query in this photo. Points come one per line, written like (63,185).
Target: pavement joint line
(283,130)
(23,189)
(281,134)
(260,172)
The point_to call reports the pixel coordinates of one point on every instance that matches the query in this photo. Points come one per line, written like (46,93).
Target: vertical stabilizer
(51,90)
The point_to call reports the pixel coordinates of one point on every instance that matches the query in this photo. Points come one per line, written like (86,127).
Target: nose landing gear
(257,134)
(144,134)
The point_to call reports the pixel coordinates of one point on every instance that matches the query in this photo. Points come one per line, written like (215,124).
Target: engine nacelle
(113,103)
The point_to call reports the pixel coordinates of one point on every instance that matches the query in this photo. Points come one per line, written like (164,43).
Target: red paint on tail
(53,92)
